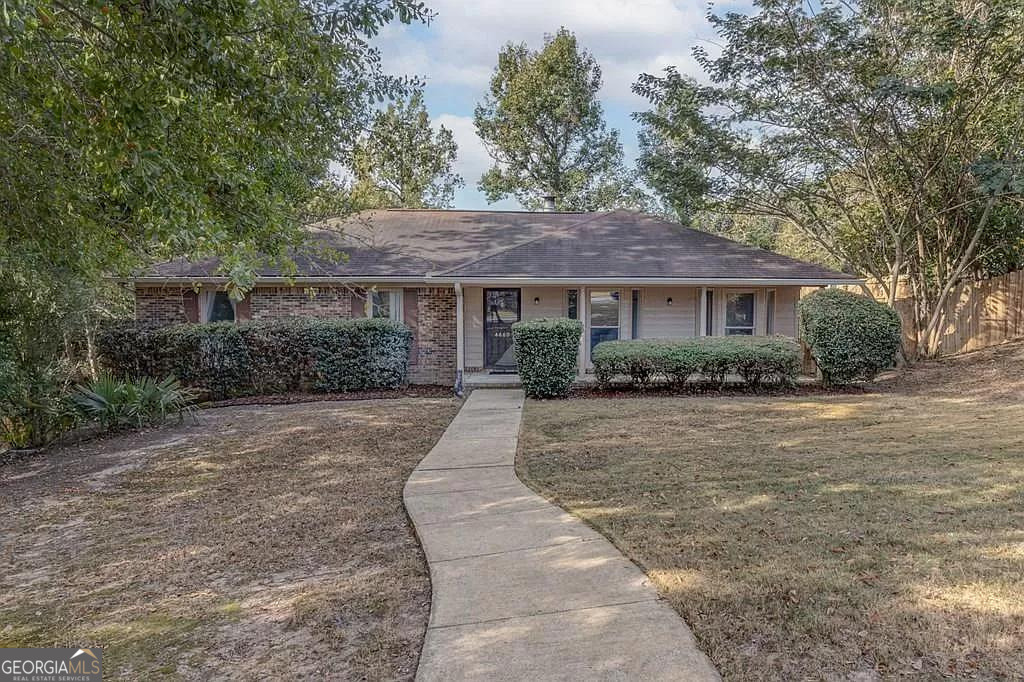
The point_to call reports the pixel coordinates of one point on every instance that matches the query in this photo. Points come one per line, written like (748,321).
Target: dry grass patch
(265,542)
(827,537)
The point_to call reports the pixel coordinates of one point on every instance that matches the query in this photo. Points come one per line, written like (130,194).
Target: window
(385,303)
(769,313)
(709,313)
(572,304)
(739,315)
(604,317)
(218,306)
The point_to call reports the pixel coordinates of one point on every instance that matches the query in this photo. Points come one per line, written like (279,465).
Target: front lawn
(823,537)
(264,542)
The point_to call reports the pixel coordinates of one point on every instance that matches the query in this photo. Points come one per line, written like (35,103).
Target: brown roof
(416,244)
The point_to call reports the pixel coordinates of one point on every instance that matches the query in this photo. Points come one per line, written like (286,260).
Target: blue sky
(456,53)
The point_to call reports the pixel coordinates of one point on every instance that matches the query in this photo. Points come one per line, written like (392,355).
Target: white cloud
(457,52)
(473,159)
(460,46)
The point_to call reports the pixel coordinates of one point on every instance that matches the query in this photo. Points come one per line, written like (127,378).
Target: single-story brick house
(459,279)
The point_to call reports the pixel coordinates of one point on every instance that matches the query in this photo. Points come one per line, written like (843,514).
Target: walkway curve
(521,589)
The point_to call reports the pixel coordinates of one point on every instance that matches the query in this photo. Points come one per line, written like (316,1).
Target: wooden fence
(976,315)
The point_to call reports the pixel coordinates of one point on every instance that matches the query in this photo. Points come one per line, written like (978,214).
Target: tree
(887,131)
(133,131)
(403,162)
(542,124)
(140,130)
(765,232)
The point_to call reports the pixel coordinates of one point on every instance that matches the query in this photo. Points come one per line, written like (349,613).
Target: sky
(456,53)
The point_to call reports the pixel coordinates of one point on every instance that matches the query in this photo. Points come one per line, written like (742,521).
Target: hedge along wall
(230,360)
(756,360)
(428,311)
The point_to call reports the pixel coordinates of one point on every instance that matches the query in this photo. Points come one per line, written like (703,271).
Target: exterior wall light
(536,300)
(668,301)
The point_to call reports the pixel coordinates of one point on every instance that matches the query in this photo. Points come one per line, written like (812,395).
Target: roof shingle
(490,244)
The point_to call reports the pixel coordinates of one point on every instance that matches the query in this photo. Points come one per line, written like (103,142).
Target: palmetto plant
(118,403)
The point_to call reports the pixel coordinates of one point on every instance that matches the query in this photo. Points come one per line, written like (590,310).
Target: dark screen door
(502,308)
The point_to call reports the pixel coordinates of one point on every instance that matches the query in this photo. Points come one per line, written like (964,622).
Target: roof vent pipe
(549,202)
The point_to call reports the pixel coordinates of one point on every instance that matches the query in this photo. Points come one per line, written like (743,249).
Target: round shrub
(546,352)
(851,337)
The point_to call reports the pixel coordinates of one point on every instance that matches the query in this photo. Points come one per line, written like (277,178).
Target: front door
(502,308)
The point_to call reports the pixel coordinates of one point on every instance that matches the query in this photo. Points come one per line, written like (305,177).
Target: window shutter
(243,309)
(358,303)
(411,315)
(190,300)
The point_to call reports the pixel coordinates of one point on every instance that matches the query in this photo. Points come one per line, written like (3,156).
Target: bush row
(757,360)
(851,337)
(225,359)
(546,353)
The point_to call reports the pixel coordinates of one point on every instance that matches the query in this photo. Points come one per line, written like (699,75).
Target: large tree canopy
(403,162)
(888,131)
(141,129)
(544,127)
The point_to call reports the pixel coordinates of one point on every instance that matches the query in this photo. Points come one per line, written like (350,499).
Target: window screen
(739,315)
(221,308)
(604,317)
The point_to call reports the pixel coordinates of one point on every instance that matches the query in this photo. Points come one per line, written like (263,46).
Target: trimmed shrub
(756,360)
(360,354)
(254,358)
(546,352)
(851,337)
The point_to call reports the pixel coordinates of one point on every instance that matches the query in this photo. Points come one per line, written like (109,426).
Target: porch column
(460,338)
(584,354)
(702,312)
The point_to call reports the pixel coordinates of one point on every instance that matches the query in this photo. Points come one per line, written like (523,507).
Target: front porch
(485,314)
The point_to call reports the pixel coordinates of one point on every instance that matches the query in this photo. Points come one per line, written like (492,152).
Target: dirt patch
(416,391)
(261,542)
(834,537)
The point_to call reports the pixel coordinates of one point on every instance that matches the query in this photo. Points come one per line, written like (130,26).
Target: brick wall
(434,330)
(159,306)
(270,303)
(435,334)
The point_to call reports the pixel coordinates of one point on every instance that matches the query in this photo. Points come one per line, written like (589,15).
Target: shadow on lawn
(273,537)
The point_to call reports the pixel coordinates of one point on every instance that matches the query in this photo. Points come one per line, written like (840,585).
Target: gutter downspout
(460,339)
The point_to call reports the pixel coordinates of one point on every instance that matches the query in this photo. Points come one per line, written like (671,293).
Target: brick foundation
(434,327)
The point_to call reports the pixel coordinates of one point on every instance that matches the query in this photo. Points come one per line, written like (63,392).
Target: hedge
(226,360)
(756,360)
(851,337)
(546,352)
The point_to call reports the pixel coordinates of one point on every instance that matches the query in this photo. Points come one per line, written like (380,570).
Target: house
(460,279)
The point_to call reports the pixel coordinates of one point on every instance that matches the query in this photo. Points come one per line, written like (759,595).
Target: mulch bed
(417,391)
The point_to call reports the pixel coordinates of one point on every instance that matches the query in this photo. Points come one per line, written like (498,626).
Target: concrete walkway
(521,589)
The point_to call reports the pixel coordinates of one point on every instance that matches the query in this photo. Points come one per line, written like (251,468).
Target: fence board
(976,314)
